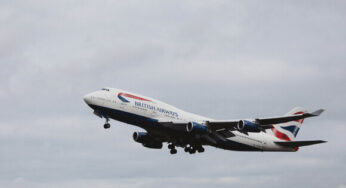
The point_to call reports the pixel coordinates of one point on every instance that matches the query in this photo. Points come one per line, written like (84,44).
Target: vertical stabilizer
(289,130)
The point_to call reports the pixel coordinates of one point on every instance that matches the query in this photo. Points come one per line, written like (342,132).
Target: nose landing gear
(107,125)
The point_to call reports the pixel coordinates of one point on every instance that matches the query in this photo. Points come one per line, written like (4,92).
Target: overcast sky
(220,59)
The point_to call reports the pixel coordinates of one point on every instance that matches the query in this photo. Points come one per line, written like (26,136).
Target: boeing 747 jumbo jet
(165,123)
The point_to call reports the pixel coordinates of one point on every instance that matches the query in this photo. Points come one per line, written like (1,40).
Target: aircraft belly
(238,144)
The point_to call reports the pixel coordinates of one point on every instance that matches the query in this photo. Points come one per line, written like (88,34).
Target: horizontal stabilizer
(299,143)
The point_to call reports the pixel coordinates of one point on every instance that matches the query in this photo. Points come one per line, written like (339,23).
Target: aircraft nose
(87,98)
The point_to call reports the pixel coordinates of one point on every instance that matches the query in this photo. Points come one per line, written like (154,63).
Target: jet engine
(197,128)
(247,126)
(146,140)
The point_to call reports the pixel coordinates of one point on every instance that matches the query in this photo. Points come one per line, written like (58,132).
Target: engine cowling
(247,126)
(146,140)
(197,128)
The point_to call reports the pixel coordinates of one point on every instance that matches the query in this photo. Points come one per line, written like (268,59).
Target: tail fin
(289,130)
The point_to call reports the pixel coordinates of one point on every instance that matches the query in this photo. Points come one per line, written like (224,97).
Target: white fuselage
(129,105)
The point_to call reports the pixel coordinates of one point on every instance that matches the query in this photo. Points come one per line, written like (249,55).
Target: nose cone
(87,98)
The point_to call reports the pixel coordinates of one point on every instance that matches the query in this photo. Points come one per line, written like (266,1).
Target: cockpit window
(105,89)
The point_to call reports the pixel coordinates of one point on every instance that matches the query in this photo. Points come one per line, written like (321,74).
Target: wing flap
(225,133)
(227,124)
(178,126)
(300,143)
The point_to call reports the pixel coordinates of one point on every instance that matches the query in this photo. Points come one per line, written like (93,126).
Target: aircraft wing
(230,125)
(181,126)
(264,123)
(225,133)
(226,124)
(284,119)
(174,125)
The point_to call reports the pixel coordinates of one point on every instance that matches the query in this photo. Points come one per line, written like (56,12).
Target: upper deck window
(105,89)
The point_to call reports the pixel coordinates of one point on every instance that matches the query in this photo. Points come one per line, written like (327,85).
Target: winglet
(317,112)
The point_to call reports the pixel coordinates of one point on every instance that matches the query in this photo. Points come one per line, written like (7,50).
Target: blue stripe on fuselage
(123,99)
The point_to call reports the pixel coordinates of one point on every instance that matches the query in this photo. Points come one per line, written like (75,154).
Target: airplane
(164,123)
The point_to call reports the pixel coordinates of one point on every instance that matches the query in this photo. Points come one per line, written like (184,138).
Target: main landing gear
(107,125)
(172,149)
(193,149)
(188,148)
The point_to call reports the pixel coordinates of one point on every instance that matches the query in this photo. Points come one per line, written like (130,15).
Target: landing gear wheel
(170,146)
(186,149)
(173,151)
(192,151)
(200,149)
(107,125)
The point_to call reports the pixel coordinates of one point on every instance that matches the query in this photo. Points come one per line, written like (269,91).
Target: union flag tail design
(289,130)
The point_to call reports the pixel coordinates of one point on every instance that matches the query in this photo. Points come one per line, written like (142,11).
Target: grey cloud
(223,59)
